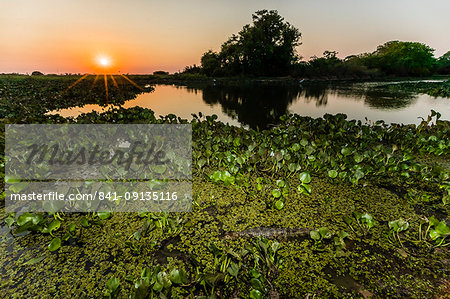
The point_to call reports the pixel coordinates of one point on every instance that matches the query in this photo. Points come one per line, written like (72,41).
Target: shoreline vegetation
(437,85)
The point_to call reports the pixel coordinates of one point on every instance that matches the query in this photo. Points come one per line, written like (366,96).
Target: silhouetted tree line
(267,48)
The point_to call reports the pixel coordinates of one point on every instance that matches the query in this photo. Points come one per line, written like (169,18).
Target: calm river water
(260,106)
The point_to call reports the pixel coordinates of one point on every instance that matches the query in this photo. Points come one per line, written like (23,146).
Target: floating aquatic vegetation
(364,222)
(303,173)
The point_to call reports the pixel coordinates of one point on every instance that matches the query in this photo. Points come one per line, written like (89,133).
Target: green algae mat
(314,208)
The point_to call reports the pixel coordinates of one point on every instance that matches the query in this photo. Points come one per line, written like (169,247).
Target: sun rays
(131,81)
(106,88)
(114,79)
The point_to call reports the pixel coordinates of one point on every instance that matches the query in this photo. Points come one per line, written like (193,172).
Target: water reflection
(261,106)
(255,107)
(389,100)
(377,96)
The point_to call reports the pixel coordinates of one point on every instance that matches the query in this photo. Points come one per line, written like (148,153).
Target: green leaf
(357,215)
(304,188)
(339,242)
(84,222)
(240,160)
(314,235)
(201,162)
(37,218)
(332,173)
(9,220)
(72,228)
(175,276)
(214,278)
(325,232)
(402,225)
(255,294)
(393,225)
(276,193)
(305,177)
(281,183)
(256,284)
(367,219)
(233,269)
(103,215)
(254,273)
(215,177)
(293,167)
(343,234)
(113,284)
(295,147)
(12,179)
(348,220)
(359,174)
(279,204)
(54,244)
(163,279)
(183,276)
(442,229)
(285,191)
(146,273)
(433,221)
(434,234)
(346,151)
(24,218)
(358,158)
(54,225)
(309,150)
(236,141)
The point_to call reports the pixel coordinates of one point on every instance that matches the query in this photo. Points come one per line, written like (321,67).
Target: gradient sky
(141,36)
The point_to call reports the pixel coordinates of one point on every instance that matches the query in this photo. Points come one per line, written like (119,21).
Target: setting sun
(103,61)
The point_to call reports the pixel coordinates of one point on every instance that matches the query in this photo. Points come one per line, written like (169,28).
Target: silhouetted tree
(211,63)
(264,48)
(325,65)
(160,73)
(194,69)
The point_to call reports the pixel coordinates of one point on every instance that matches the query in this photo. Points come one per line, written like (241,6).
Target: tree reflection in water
(257,107)
(261,106)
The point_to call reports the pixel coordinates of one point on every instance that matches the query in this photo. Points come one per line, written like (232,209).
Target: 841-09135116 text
(107,196)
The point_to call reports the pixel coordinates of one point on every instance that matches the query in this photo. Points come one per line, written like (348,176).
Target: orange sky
(142,36)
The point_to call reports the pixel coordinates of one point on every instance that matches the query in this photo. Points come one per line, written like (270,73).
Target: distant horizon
(156,70)
(140,37)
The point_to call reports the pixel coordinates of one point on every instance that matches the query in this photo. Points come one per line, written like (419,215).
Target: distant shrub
(160,73)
